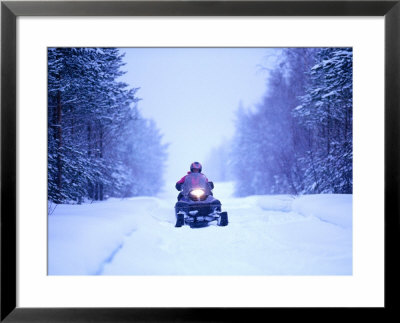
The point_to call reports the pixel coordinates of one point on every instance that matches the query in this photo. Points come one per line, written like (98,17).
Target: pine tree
(89,111)
(276,138)
(299,138)
(326,113)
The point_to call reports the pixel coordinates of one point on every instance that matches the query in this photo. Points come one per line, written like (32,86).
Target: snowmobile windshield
(195,181)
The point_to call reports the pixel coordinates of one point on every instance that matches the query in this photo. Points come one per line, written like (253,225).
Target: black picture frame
(10,10)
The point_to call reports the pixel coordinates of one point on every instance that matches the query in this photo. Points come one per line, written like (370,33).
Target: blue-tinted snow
(267,235)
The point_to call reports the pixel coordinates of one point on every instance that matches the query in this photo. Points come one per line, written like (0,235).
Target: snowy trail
(266,235)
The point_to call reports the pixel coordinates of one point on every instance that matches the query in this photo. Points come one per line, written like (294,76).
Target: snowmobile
(197,206)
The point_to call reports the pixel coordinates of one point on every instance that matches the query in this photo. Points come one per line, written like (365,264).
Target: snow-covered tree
(89,111)
(142,159)
(326,113)
(299,138)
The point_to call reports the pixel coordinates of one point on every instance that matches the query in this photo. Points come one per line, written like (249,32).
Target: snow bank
(332,208)
(82,238)
(266,235)
(281,203)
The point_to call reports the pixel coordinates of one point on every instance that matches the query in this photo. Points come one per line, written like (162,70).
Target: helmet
(195,166)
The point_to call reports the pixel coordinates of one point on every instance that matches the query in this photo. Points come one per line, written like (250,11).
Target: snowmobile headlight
(198,193)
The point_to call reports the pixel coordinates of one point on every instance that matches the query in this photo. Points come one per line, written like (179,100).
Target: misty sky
(192,95)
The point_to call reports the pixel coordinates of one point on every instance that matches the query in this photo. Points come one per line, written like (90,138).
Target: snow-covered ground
(266,235)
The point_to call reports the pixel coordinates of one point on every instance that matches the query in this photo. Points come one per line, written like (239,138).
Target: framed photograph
(281,117)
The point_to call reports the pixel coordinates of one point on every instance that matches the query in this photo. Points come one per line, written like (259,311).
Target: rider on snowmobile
(196,205)
(195,167)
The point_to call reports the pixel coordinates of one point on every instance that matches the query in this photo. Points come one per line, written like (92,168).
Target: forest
(299,139)
(99,145)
